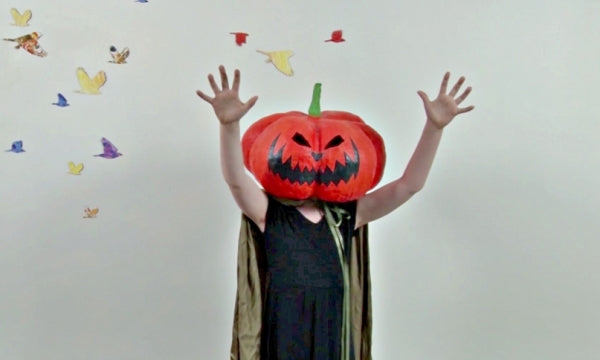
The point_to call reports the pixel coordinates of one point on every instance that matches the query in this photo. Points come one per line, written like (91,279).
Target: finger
(224,80)
(250,103)
(465,109)
(457,86)
(423,96)
(236,80)
(444,83)
(213,84)
(204,97)
(464,95)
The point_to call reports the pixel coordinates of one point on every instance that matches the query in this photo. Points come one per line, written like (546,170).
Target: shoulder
(346,210)
(277,208)
(349,206)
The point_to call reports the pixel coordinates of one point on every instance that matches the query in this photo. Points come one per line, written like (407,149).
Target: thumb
(250,103)
(423,96)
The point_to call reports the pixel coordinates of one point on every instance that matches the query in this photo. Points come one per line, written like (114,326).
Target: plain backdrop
(496,258)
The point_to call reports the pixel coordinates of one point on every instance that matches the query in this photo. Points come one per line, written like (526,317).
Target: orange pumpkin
(331,155)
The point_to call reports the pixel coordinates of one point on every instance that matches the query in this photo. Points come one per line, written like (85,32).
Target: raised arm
(229,109)
(440,113)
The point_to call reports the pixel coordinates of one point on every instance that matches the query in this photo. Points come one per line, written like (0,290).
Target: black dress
(303,310)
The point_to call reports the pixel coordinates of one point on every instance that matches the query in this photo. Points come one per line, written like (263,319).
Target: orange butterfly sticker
(90,213)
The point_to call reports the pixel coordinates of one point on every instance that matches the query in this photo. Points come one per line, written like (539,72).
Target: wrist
(431,126)
(231,129)
(229,123)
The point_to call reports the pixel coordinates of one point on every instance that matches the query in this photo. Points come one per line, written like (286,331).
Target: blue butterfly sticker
(62,101)
(16,147)
(110,151)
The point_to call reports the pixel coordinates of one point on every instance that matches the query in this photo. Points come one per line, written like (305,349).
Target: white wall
(497,258)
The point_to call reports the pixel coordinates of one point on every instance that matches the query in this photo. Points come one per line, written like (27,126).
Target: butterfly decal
(62,101)
(281,60)
(240,37)
(20,19)
(16,147)
(29,43)
(90,85)
(119,57)
(90,213)
(336,37)
(75,169)
(109,150)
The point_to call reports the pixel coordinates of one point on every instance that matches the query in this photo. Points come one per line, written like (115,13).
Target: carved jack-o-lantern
(330,155)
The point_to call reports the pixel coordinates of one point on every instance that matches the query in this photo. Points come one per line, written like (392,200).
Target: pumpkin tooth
(340,172)
(286,171)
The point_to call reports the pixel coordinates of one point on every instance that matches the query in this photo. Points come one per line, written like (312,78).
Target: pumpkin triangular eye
(337,140)
(300,140)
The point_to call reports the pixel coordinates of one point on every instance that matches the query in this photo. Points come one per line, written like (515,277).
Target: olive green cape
(251,290)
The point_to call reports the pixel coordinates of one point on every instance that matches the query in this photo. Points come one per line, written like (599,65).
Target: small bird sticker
(336,37)
(90,213)
(119,57)
(29,43)
(16,147)
(75,169)
(240,37)
(20,19)
(281,60)
(62,101)
(90,85)
(109,150)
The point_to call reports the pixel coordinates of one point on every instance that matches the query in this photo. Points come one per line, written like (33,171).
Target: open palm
(445,107)
(226,103)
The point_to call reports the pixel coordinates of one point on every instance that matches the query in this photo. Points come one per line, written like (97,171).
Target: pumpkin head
(330,155)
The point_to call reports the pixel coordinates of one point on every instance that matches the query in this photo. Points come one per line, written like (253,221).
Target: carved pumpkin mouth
(305,175)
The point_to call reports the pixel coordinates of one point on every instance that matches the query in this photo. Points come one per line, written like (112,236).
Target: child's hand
(227,104)
(444,108)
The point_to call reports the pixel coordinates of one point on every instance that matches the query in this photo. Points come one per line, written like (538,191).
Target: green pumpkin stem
(315,105)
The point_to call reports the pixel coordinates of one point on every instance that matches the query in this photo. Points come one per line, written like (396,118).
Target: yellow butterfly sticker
(90,213)
(281,60)
(75,169)
(90,85)
(20,19)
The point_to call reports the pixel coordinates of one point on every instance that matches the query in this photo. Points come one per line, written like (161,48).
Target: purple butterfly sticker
(62,101)
(110,151)
(17,147)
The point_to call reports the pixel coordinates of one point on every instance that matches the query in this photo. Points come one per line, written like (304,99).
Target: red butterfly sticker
(240,37)
(336,36)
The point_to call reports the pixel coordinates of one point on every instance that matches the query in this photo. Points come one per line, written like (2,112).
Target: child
(301,294)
